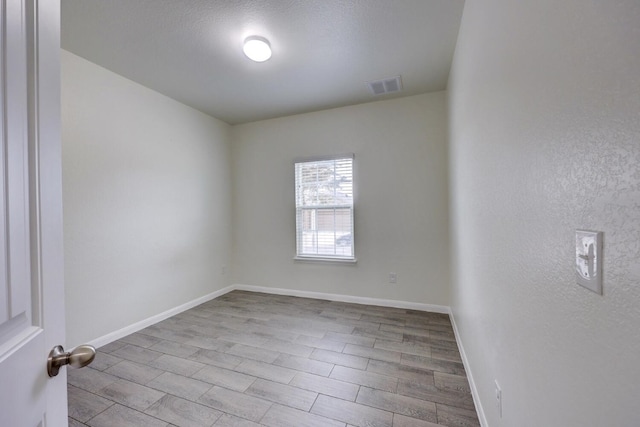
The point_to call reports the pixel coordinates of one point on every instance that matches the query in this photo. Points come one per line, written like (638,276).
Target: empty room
(309,213)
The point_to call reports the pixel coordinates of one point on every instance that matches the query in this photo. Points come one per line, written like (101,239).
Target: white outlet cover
(589,260)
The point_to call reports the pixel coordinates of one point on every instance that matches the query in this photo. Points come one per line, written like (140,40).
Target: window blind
(324,208)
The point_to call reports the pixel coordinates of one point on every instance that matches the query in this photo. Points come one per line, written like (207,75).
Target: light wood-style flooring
(251,359)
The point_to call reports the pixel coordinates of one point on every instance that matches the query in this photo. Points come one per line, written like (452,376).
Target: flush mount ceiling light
(257,48)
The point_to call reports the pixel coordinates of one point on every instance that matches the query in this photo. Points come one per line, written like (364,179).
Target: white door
(31,280)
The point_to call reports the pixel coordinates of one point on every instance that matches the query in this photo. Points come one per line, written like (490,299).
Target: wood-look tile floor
(250,359)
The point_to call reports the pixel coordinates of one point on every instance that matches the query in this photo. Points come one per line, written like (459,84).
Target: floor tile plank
(174,348)
(419,349)
(141,340)
(121,416)
(112,346)
(183,413)
(339,358)
(400,371)
(456,417)
(227,420)
(283,416)
(432,393)
(177,365)
(373,353)
(351,339)
(456,383)
(136,354)
(84,405)
(397,403)
(134,372)
(365,378)
(404,421)
(284,394)
(429,363)
(248,359)
(224,378)
(446,354)
(104,361)
(177,385)
(328,386)
(216,358)
(234,403)
(322,343)
(304,364)
(266,371)
(90,379)
(255,353)
(75,423)
(352,413)
(287,347)
(131,394)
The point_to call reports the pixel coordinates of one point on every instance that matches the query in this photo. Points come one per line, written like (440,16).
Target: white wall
(545,138)
(147,202)
(401,217)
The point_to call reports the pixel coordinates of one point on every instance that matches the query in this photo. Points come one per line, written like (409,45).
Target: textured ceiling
(324,51)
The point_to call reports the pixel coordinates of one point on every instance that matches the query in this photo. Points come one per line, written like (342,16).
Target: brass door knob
(78,357)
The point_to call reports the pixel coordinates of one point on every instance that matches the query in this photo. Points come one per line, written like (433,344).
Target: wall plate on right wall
(589,260)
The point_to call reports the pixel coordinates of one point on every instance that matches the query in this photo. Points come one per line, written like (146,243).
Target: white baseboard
(113,336)
(346,298)
(127,330)
(472,384)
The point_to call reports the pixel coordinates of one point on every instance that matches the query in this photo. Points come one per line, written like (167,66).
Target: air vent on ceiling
(385,86)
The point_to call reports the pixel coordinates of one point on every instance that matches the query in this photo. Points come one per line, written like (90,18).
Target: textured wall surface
(544,101)
(401,203)
(147,201)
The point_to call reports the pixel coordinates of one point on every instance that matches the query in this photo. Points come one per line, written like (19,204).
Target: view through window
(324,208)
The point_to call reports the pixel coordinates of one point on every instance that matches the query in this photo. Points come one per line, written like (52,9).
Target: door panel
(31,281)
(14,214)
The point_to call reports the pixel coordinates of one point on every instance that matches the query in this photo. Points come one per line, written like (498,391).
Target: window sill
(328,260)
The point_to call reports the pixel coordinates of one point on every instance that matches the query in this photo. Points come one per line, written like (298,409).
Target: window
(324,208)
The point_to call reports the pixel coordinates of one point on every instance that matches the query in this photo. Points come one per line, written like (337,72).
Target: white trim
(346,298)
(309,258)
(313,210)
(113,336)
(467,367)
(324,158)
(127,330)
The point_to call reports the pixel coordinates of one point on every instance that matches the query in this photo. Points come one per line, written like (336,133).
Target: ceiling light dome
(257,48)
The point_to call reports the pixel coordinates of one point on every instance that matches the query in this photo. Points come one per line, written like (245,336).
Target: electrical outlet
(498,398)
(589,260)
(393,278)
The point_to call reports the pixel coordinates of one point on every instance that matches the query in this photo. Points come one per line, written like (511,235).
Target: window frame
(350,259)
